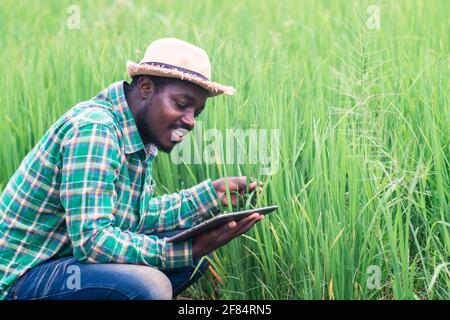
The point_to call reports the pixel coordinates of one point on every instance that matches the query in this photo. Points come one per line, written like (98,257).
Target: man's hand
(215,238)
(237,186)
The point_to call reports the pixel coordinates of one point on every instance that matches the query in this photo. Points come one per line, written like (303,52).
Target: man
(78,220)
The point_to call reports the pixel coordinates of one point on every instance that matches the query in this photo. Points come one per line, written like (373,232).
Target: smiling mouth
(178,134)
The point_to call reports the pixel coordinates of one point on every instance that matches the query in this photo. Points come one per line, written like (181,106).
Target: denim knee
(147,283)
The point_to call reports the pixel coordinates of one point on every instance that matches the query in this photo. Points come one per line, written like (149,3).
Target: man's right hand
(215,238)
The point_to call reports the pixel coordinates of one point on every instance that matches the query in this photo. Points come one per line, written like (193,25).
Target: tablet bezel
(218,221)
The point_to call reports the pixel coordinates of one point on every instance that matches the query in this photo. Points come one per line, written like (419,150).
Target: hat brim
(214,88)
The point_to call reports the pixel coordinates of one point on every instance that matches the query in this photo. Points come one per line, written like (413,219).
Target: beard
(146,133)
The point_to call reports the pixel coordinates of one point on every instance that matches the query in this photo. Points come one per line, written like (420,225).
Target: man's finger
(225,231)
(241,183)
(247,227)
(244,182)
(242,227)
(245,222)
(251,223)
(230,225)
(249,218)
(256,184)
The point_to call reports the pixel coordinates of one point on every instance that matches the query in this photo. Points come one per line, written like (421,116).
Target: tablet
(218,221)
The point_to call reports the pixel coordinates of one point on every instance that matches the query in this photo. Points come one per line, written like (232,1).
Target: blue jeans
(67,279)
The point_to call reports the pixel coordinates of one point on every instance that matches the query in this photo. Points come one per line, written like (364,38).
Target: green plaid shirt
(86,190)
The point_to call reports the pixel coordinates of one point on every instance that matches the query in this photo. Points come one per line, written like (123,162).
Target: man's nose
(188,122)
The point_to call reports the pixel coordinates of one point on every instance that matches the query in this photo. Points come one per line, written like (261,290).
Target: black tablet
(218,221)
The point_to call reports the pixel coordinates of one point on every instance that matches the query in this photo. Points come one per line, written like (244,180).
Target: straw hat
(170,57)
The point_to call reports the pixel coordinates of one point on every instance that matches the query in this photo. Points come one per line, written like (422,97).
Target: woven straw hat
(170,57)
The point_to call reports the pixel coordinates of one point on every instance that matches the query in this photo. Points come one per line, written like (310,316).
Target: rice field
(358,90)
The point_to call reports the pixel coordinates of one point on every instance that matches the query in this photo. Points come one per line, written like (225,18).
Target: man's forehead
(187,90)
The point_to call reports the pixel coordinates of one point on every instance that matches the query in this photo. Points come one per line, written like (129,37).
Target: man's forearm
(180,210)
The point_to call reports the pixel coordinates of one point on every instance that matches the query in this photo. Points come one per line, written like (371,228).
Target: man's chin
(166,149)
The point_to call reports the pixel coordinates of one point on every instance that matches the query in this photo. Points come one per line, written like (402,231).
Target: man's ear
(145,87)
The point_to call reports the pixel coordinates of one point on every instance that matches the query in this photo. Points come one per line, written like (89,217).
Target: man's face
(174,107)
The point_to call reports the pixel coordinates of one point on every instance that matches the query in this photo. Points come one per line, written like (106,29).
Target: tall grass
(363,115)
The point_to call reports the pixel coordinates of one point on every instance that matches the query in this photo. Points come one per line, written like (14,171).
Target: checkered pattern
(86,189)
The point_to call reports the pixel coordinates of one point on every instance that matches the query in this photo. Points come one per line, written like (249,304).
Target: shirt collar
(116,95)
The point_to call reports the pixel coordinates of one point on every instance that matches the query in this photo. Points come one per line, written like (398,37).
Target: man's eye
(181,105)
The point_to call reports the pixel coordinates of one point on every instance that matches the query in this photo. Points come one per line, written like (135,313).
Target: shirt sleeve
(90,167)
(184,209)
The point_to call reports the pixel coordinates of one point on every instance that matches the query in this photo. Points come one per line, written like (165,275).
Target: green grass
(363,118)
